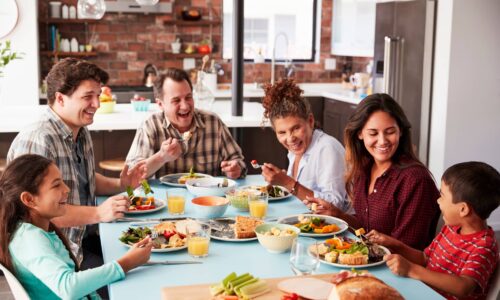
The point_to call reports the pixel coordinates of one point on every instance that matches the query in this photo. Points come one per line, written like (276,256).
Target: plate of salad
(142,201)
(179,179)
(169,238)
(275,192)
(315,225)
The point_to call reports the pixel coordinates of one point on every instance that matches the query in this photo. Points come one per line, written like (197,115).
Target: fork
(255,165)
(363,237)
(154,234)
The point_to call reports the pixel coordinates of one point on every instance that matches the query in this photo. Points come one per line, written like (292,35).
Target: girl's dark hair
(357,157)
(477,184)
(66,76)
(23,174)
(284,99)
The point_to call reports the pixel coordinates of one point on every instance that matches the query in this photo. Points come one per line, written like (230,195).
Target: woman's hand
(137,255)
(322,207)
(276,176)
(382,239)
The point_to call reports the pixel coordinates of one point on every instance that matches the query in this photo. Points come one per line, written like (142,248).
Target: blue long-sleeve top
(45,269)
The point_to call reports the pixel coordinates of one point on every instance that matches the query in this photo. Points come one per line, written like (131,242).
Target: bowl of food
(239,197)
(209,186)
(210,207)
(275,237)
(107,101)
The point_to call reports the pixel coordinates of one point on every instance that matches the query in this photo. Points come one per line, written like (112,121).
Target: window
(291,23)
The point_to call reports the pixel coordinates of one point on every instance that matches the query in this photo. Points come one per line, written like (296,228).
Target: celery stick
(236,282)
(237,289)
(228,278)
(252,290)
(216,289)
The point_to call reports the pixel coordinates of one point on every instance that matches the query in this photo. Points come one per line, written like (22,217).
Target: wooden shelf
(72,54)
(191,23)
(185,55)
(68,21)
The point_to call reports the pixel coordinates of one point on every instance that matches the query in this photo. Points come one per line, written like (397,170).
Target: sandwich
(244,227)
(361,286)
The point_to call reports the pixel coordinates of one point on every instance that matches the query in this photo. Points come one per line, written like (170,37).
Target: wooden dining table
(224,257)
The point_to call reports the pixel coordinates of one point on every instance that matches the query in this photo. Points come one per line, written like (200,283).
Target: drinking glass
(198,239)
(176,200)
(258,205)
(304,256)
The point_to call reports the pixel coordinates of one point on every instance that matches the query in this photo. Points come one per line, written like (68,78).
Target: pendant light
(91,9)
(146,2)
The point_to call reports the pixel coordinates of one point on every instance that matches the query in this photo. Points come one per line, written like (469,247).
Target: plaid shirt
(402,205)
(52,138)
(210,144)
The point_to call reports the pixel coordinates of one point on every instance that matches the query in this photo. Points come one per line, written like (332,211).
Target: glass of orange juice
(257,205)
(176,200)
(198,239)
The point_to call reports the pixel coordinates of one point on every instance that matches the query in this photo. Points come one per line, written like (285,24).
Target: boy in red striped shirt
(462,258)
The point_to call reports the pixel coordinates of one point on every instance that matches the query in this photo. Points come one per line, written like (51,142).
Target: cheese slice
(310,288)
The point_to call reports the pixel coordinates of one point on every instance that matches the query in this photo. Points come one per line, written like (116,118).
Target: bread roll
(363,288)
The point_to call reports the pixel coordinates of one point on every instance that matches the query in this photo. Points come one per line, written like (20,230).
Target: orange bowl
(210,206)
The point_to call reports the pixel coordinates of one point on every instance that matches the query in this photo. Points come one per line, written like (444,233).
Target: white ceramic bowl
(210,207)
(275,243)
(208,186)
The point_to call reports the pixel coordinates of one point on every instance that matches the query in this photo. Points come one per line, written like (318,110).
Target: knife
(150,219)
(172,262)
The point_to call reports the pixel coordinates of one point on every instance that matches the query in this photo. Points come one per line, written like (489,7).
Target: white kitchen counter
(15,118)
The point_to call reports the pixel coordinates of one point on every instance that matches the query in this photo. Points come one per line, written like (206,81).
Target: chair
(115,165)
(15,286)
(495,286)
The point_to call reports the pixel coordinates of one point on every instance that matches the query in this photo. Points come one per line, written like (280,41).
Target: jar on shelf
(203,97)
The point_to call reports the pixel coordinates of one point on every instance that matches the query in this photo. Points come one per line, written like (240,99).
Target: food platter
(173,179)
(133,234)
(159,204)
(225,232)
(294,219)
(373,264)
(270,198)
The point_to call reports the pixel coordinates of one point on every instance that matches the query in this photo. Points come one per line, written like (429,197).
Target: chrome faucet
(274,53)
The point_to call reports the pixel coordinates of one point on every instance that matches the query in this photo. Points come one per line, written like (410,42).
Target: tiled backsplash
(125,43)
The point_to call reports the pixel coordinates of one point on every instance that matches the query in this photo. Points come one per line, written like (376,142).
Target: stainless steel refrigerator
(404,39)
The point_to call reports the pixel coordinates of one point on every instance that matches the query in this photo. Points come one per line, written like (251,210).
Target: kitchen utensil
(255,165)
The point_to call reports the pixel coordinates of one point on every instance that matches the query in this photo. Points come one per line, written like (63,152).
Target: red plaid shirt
(474,255)
(403,204)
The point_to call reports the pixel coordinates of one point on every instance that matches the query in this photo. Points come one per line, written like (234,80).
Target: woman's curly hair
(284,99)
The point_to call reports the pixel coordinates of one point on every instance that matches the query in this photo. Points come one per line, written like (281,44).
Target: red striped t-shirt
(474,255)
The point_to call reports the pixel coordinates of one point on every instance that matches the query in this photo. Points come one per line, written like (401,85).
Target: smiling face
(78,109)
(452,212)
(380,136)
(294,133)
(50,201)
(177,104)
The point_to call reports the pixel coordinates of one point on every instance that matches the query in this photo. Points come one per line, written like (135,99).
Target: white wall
(19,86)
(465,122)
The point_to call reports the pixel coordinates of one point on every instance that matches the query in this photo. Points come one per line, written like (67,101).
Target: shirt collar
(291,156)
(62,127)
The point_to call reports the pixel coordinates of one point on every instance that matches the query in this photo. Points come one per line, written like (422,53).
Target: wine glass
(304,256)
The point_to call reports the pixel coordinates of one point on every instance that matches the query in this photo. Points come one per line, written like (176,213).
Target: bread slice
(245,226)
(357,258)
(363,288)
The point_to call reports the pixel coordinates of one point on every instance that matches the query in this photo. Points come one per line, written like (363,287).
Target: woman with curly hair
(316,160)
(390,189)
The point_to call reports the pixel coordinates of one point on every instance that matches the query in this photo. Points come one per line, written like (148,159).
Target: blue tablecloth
(224,257)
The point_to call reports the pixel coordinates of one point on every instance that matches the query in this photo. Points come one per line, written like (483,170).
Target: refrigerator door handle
(393,58)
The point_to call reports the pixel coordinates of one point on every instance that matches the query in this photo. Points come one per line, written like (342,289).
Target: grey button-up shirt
(52,138)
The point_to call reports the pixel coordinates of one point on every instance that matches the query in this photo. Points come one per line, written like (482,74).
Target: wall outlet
(188,63)
(330,64)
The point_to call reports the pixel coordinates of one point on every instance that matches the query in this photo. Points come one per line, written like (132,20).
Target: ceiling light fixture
(147,2)
(91,9)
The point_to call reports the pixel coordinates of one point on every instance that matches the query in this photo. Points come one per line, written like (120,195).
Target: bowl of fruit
(140,103)
(107,101)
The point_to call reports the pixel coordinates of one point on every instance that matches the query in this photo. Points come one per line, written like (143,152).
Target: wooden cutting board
(202,292)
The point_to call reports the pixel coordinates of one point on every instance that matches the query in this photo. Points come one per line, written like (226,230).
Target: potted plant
(7,55)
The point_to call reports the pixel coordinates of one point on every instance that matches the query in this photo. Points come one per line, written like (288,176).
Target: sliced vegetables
(244,286)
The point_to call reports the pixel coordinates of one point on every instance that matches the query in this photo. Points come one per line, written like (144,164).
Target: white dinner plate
(173,179)
(257,188)
(226,235)
(180,228)
(160,204)
(294,219)
(387,251)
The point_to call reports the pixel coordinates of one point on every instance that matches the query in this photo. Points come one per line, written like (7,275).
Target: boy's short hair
(477,184)
(67,74)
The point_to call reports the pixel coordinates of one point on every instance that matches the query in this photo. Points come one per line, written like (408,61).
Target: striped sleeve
(482,262)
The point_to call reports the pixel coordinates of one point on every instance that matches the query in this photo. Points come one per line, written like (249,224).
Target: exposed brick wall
(127,42)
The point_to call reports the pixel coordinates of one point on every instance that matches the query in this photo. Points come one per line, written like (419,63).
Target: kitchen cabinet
(336,115)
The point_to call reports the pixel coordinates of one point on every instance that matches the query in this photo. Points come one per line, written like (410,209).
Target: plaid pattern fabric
(402,205)
(210,144)
(52,138)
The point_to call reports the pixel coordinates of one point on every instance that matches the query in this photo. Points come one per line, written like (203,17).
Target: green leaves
(7,55)
(146,188)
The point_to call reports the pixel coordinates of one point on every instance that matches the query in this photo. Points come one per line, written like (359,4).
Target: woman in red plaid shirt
(390,189)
